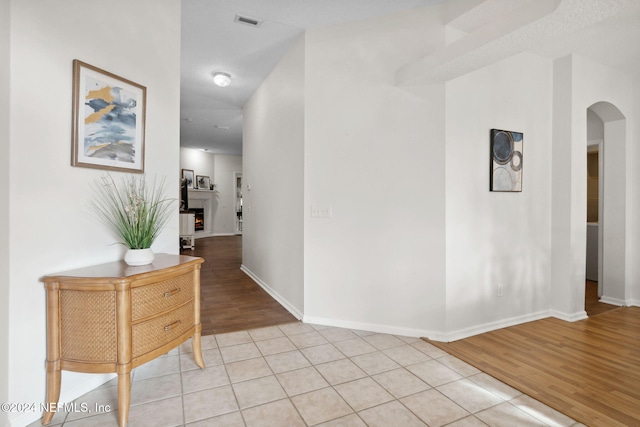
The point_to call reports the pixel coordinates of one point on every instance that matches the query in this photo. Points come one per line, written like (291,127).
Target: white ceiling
(607,31)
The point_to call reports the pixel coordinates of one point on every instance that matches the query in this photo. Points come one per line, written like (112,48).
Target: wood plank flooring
(589,370)
(230,300)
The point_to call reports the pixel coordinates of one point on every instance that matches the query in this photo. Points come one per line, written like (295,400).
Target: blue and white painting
(110,122)
(506,160)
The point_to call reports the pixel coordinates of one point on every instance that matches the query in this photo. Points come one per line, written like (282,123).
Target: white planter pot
(136,257)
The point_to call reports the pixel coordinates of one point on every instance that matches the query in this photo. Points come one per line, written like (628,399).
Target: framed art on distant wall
(203,182)
(187,175)
(108,120)
(506,161)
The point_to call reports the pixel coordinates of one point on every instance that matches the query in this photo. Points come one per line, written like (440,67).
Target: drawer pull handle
(172,325)
(169,294)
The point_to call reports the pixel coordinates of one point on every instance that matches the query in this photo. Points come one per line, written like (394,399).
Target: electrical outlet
(500,290)
(321,211)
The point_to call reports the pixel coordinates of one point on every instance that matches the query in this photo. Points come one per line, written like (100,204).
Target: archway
(606,127)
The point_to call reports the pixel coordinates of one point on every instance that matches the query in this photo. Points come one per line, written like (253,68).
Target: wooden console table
(113,318)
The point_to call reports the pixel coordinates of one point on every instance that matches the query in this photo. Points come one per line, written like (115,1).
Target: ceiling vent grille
(248,21)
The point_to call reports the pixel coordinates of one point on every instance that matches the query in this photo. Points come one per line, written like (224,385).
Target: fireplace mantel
(207,200)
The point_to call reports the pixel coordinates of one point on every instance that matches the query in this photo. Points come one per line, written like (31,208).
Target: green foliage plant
(134,210)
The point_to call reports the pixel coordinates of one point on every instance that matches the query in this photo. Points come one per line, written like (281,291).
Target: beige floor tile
(428,349)
(434,408)
(207,342)
(295,328)
(496,387)
(308,339)
(322,354)
(374,363)
(156,388)
(383,341)
(301,381)
(166,412)
(408,340)
(390,414)
(320,406)
(363,393)
(469,421)
(104,396)
(266,333)
(434,373)
(354,347)
(507,415)
(289,361)
(102,420)
(541,412)
(259,391)
(406,355)
(337,334)
(279,413)
(352,420)
(233,419)
(250,369)
(208,403)
(210,357)
(233,338)
(201,379)
(275,345)
(239,352)
(401,383)
(58,419)
(157,367)
(469,395)
(463,368)
(361,333)
(340,371)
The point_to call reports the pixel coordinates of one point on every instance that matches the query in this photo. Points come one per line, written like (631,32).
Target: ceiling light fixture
(222,79)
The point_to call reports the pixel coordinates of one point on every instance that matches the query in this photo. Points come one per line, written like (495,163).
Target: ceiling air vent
(248,21)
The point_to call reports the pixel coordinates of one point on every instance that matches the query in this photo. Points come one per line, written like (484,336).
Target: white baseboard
(569,317)
(492,326)
(224,234)
(373,327)
(282,301)
(614,301)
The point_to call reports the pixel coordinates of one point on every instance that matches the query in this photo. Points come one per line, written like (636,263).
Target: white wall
(578,84)
(633,229)
(496,238)
(5,169)
(374,153)
(50,228)
(220,169)
(273,147)
(200,162)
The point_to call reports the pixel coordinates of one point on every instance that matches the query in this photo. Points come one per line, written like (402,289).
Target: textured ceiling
(606,31)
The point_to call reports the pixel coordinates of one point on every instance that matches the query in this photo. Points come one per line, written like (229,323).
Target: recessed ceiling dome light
(222,79)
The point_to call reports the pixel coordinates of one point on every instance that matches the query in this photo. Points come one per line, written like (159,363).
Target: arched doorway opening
(606,212)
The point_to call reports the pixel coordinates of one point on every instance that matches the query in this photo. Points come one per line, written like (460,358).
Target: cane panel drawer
(153,333)
(155,298)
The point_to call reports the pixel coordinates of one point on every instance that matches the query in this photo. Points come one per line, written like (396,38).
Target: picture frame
(108,120)
(203,182)
(188,176)
(505,173)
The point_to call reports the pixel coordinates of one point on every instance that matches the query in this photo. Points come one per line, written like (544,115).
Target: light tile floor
(305,375)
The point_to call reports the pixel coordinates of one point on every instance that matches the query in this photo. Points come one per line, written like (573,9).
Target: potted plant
(135,211)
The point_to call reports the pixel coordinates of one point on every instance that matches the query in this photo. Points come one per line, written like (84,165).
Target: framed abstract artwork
(203,182)
(187,175)
(506,161)
(108,120)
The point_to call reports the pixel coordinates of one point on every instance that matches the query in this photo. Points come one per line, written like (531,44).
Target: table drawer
(158,297)
(154,333)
